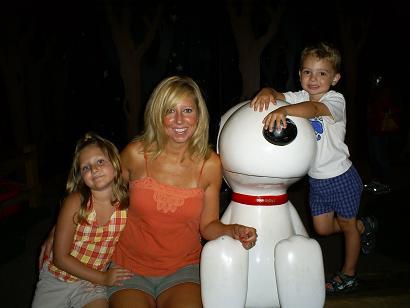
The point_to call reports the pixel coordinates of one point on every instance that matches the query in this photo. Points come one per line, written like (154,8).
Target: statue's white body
(285,268)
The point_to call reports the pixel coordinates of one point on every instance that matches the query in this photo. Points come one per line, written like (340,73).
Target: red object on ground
(9,190)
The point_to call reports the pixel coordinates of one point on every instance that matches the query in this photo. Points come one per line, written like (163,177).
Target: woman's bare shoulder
(214,157)
(213,161)
(132,160)
(132,151)
(134,147)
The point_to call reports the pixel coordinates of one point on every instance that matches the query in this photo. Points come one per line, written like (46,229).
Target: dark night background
(73,66)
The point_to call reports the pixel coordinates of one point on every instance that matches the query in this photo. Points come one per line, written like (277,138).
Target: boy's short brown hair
(323,50)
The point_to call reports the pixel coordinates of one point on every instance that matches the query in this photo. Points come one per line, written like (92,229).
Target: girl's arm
(210,225)
(63,239)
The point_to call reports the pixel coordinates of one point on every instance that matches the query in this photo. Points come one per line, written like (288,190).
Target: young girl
(89,225)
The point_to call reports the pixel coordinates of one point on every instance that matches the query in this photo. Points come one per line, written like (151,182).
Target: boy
(335,185)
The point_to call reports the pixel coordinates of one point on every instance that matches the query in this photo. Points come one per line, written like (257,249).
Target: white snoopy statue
(285,268)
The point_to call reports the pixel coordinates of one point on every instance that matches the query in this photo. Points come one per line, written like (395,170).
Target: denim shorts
(340,194)
(154,286)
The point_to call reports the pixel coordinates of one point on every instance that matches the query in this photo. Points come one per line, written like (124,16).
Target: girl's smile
(96,169)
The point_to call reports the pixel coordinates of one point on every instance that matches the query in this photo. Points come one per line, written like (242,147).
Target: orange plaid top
(94,245)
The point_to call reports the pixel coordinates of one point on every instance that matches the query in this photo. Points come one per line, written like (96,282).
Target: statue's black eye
(282,136)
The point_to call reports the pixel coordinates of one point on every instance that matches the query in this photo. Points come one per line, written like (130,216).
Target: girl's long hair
(75,181)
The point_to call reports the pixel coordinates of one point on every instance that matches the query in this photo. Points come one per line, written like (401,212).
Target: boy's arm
(305,110)
(264,97)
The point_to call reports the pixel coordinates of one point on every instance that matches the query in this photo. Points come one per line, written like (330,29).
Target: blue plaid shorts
(340,194)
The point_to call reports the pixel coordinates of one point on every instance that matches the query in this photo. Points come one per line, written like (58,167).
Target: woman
(174,184)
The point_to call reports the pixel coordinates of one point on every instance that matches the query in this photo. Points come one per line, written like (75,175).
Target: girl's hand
(246,235)
(262,100)
(115,275)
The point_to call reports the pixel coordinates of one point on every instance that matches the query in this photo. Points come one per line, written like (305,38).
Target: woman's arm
(132,158)
(125,157)
(210,225)
(46,250)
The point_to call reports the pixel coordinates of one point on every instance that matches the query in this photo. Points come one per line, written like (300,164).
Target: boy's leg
(345,280)
(340,197)
(352,244)
(346,201)
(326,224)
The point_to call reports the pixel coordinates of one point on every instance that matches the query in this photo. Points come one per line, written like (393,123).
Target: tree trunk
(250,47)
(353,33)
(130,55)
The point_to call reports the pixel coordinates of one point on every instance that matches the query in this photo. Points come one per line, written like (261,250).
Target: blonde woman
(174,183)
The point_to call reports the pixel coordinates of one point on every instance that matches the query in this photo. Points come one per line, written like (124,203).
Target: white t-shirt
(332,158)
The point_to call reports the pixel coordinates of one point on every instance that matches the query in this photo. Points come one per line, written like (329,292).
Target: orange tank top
(162,231)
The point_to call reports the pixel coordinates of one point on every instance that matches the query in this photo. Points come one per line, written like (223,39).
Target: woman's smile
(181,120)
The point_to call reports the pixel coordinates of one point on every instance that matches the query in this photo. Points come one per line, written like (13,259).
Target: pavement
(384,276)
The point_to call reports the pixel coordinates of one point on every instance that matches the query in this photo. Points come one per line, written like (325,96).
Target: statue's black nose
(281,136)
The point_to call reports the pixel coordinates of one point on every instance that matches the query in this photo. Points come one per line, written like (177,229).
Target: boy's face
(317,76)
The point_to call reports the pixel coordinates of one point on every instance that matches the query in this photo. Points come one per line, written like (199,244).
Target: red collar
(260,200)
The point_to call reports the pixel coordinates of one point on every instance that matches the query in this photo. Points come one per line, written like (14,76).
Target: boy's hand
(262,100)
(275,119)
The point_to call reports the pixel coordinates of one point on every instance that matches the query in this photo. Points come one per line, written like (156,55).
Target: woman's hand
(46,251)
(246,235)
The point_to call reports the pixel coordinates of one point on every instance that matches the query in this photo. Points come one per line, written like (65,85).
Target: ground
(384,276)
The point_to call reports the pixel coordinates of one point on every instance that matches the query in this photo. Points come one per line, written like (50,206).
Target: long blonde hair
(165,96)
(75,181)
